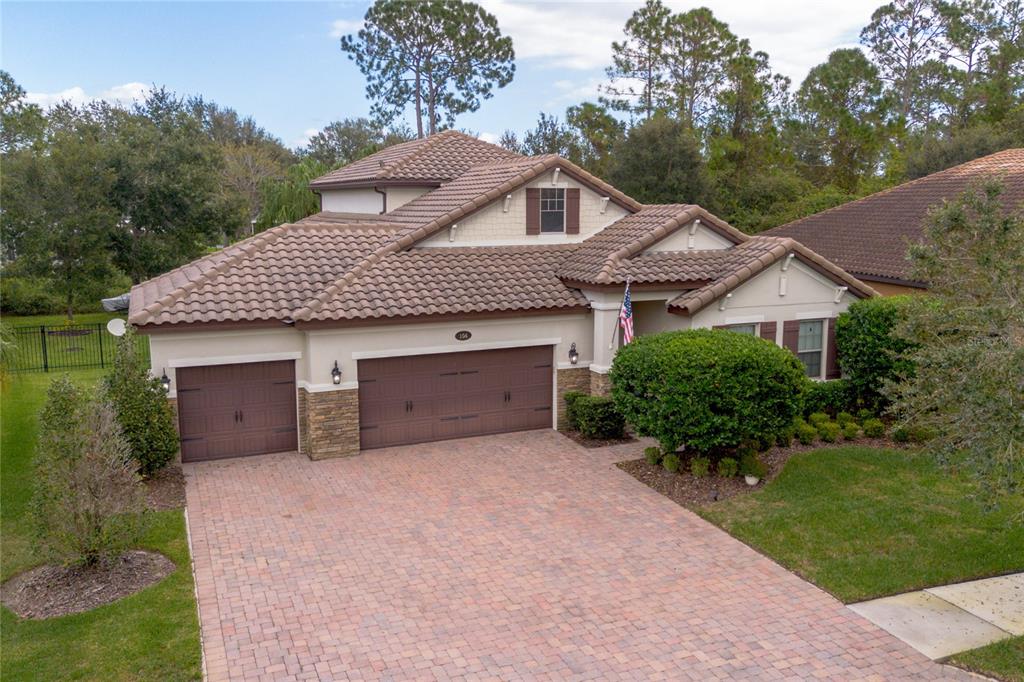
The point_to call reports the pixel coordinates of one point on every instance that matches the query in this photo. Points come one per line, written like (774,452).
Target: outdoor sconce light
(574,355)
(336,374)
(165,382)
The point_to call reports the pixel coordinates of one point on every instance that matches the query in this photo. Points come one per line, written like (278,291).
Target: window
(749,329)
(552,210)
(809,346)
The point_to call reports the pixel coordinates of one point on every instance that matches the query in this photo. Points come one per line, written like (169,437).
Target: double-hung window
(810,346)
(552,210)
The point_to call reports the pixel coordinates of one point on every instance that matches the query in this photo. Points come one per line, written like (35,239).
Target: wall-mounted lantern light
(336,374)
(165,382)
(574,355)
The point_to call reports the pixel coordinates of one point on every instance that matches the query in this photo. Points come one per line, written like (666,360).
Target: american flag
(626,317)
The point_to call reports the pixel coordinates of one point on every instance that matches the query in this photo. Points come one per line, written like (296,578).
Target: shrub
(806,433)
(818,418)
(706,389)
(869,351)
(785,437)
(874,428)
(827,396)
(727,467)
(851,430)
(829,431)
(570,399)
(596,417)
(25,296)
(141,407)
(920,434)
(88,504)
(766,442)
(671,462)
(751,465)
(864,414)
(652,455)
(845,418)
(901,434)
(700,466)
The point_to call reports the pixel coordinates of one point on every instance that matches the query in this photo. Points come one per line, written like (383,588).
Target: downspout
(383,199)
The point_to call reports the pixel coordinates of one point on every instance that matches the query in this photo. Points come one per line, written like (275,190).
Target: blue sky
(280,61)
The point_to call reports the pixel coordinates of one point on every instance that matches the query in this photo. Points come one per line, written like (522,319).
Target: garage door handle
(241,416)
(236,416)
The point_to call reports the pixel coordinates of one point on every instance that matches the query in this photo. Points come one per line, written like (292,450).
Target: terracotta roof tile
(869,237)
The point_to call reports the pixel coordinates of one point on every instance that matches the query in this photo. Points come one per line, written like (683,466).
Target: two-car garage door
(422,398)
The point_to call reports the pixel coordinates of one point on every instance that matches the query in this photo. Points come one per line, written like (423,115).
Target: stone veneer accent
(329,423)
(600,384)
(571,379)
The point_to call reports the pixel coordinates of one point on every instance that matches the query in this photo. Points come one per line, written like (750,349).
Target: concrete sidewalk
(942,621)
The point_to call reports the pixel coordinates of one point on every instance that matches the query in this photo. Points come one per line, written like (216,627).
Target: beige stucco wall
(399,196)
(651,317)
(704,239)
(493,225)
(361,200)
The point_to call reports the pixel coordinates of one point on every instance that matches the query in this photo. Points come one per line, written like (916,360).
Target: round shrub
(700,466)
(864,414)
(869,351)
(845,418)
(829,431)
(671,462)
(596,417)
(818,418)
(806,433)
(652,455)
(901,434)
(828,396)
(706,389)
(784,438)
(851,431)
(727,467)
(570,399)
(751,465)
(874,428)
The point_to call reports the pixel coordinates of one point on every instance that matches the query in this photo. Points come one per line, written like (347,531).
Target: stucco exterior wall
(493,225)
(357,200)
(399,196)
(704,239)
(651,317)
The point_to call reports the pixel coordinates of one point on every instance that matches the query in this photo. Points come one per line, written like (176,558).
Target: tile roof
(429,160)
(869,237)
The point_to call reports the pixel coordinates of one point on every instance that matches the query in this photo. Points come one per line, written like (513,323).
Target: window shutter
(831,360)
(791,335)
(572,210)
(768,331)
(532,210)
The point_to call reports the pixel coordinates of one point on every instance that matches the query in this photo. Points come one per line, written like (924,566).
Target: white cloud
(571,92)
(490,137)
(342,27)
(118,94)
(307,134)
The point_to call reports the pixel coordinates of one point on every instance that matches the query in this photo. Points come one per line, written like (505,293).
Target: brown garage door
(433,397)
(236,410)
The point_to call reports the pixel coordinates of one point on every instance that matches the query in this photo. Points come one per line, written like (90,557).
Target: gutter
(383,199)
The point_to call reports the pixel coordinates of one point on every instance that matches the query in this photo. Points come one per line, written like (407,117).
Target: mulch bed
(694,492)
(50,591)
(166,489)
(580,439)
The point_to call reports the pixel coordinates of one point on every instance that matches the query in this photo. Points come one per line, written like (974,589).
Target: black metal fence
(48,348)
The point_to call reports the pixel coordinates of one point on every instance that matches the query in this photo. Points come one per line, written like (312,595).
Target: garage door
(236,410)
(432,397)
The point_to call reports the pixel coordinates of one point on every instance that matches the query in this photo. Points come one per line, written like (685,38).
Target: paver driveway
(520,556)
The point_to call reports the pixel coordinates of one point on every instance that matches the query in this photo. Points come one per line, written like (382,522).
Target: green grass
(1003,660)
(151,635)
(862,523)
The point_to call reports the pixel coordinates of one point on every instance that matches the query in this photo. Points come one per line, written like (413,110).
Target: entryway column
(606,338)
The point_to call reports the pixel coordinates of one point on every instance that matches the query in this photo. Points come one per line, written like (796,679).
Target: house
(869,237)
(451,288)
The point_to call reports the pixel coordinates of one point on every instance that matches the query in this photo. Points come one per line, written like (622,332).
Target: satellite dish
(116,326)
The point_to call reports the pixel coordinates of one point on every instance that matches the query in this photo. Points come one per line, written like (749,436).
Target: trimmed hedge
(596,417)
(868,349)
(706,389)
(570,399)
(831,397)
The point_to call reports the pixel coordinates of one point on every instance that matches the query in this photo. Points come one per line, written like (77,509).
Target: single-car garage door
(236,410)
(423,398)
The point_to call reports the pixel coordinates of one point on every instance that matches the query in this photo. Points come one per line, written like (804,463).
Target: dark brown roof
(869,237)
(430,160)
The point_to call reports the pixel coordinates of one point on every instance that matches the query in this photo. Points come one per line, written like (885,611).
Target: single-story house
(869,237)
(451,288)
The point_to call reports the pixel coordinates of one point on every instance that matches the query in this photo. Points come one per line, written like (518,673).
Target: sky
(280,62)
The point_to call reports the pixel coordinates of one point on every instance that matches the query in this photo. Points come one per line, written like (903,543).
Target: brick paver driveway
(520,556)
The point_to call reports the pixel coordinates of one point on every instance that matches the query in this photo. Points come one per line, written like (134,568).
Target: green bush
(700,466)
(827,396)
(901,434)
(864,414)
(727,467)
(806,433)
(766,442)
(785,437)
(597,417)
(25,296)
(920,434)
(845,418)
(671,462)
(869,351)
(829,431)
(652,455)
(141,406)
(874,428)
(570,399)
(818,418)
(851,431)
(751,465)
(707,389)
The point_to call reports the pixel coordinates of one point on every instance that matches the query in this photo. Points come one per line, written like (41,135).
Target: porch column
(606,339)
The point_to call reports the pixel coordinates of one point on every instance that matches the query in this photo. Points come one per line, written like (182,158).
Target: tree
(140,405)
(289,199)
(510,141)
(88,504)
(968,332)
(596,132)
(348,140)
(550,136)
(638,75)
(699,47)
(659,161)
(870,353)
(21,123)
(444,56)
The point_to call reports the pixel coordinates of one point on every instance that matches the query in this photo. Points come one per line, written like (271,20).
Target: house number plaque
(463,335)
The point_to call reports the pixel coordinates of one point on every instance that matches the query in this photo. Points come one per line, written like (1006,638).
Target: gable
(694,236)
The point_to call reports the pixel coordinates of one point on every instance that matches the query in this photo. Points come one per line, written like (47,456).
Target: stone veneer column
(600,384)
(570,379)
(329,423)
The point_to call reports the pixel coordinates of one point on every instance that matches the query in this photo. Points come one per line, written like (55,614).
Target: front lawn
(863,522)
(151,635)
(1003,660)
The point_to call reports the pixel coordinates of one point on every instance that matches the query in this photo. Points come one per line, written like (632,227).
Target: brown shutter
(791,335)
(768,331)
(831,364)
(532,210)
(572,210)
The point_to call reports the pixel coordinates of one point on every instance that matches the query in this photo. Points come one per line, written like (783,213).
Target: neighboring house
(869,237)
(451,288)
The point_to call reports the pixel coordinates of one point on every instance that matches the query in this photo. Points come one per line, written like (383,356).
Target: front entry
(236,410)
(422,398)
